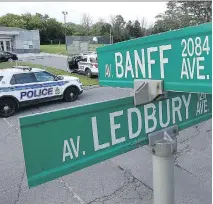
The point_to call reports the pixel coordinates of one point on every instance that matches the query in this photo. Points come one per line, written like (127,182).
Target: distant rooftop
(2,28)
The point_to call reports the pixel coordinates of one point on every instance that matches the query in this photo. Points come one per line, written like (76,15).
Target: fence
(76,44)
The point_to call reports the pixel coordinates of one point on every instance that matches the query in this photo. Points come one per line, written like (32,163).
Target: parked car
(84,63)
(7,56)
(22,86)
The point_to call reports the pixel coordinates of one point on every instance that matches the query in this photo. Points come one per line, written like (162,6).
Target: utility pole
(65,26)
(110,36)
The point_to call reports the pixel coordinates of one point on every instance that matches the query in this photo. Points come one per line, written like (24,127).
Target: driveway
(126,179)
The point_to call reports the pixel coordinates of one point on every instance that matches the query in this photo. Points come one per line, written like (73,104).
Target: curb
(90,87)
(41,55)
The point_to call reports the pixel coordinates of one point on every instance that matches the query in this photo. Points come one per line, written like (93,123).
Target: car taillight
(95,65)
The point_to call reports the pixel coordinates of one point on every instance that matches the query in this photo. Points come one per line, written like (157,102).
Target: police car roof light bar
(23,67)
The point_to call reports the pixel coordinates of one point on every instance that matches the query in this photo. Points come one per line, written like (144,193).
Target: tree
(170,19)
(105,29)
(199,11)
(49,28)
(143,27)
(86,22)
(118,28)
(128,30)
(97,28)
(12,20)
(182,14)
(137,29)
(149,30)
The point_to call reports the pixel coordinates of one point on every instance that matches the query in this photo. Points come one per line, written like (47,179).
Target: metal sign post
(163,145)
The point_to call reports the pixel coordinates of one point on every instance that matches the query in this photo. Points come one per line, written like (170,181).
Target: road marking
(72,191)
(7,122)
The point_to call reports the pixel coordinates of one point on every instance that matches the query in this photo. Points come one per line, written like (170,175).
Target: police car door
(25,87)
(51,86)
(82,64)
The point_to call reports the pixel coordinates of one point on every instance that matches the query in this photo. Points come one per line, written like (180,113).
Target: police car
(85,63)
(22,85)
(88,65)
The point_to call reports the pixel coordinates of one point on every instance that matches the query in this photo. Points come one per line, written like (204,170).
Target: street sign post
(181,58)
(64,141)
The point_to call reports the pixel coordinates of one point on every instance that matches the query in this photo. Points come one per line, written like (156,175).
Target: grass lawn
(55,49)
(92,47)
(61,49)
(85,80)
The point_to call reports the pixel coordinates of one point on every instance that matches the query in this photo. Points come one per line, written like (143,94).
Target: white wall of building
(27,41)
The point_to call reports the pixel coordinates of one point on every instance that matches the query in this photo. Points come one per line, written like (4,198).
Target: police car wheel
(71,94)
(88,73)
(7,107)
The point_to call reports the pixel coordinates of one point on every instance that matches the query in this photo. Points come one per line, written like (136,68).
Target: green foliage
(100,29)
(129,30)
(137,29)
(118,27)
(12,20)
(55,49)
(178,14)
(49,28)
(183,14)
(61,49)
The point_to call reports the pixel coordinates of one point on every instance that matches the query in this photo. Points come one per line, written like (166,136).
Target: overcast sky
(129,10)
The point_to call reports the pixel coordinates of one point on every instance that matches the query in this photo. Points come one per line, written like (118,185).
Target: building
(19,40)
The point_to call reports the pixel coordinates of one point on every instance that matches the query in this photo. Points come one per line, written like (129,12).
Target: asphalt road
(126,179)
(59,62)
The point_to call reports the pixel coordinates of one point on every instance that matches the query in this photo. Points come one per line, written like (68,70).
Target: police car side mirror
(59,78)
(56,78)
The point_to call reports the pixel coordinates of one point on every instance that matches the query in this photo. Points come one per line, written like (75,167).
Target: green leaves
(178,14)
(183,14)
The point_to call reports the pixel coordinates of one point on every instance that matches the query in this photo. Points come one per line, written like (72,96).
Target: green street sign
(64,141)
(181,58)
